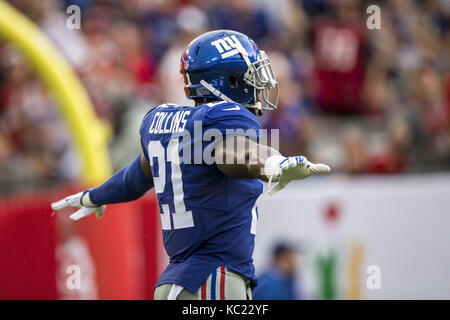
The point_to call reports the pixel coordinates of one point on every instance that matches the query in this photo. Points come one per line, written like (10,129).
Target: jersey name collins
(169,122)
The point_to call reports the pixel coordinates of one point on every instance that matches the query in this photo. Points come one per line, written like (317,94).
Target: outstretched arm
(240,157)
(128,184)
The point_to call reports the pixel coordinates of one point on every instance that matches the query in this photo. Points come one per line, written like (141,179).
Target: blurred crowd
(363,101)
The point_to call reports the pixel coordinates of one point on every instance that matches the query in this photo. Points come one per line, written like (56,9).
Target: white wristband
(86,201)
(271,167)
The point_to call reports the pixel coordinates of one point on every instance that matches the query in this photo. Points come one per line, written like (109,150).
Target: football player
(207,203)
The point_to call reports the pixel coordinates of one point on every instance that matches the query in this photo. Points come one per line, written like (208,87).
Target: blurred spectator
(339,44)
(356,158)
(394,157)
(428,120)
(238,15)
(279,282)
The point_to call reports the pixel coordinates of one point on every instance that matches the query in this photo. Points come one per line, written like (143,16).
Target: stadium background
(373,104)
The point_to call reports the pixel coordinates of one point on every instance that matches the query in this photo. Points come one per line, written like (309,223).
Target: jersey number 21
(181,218)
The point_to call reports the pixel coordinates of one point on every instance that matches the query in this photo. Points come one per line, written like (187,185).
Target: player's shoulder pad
(148,114)
(226,109)
(230,115)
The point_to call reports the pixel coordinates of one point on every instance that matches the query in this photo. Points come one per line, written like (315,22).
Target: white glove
(283,170)
(74,201)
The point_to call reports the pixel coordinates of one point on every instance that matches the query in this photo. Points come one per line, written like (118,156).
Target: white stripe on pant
(222,284)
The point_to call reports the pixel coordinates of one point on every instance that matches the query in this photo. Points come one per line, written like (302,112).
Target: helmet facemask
(260,76)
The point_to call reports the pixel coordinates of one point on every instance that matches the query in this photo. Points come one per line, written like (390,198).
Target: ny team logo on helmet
(228,65)
(227,47)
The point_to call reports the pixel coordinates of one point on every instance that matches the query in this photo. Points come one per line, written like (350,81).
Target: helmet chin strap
(257,105)
(215,92)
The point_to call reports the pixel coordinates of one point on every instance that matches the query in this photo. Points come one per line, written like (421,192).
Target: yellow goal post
(89,134)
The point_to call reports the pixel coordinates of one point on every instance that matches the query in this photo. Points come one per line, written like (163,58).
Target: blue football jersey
(208,219)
